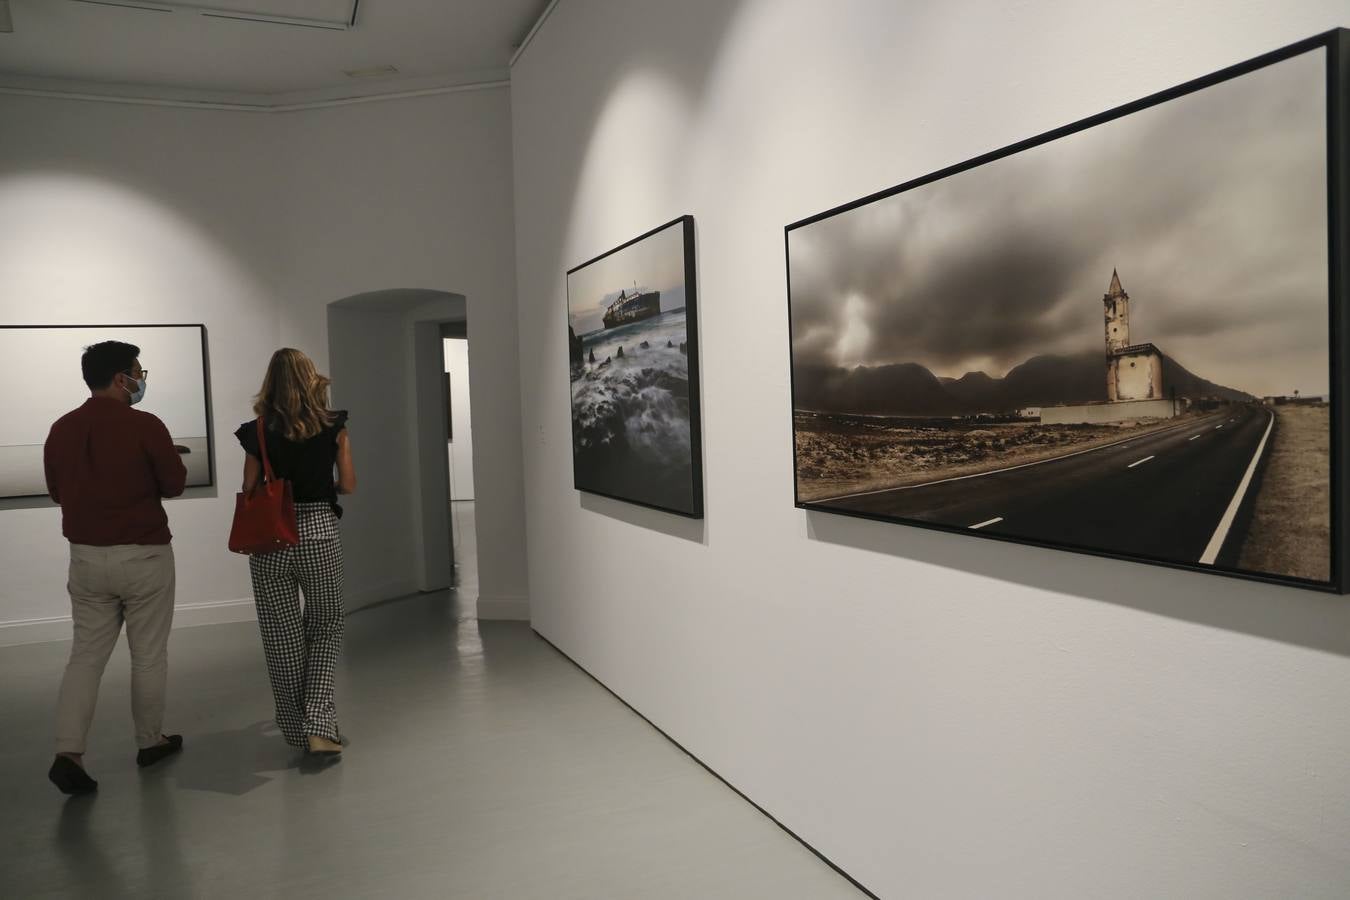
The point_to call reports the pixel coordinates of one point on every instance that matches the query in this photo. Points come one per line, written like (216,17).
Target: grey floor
(464,533)
(482,764)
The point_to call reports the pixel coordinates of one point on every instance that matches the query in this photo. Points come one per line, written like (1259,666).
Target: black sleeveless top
(307,465)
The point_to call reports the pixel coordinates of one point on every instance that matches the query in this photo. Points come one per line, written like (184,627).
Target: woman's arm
(346,470)
(252,472)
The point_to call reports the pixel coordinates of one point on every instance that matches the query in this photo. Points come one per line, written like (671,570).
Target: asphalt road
(1163,495)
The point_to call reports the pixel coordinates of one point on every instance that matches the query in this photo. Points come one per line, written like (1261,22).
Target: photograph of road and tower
(1117,340)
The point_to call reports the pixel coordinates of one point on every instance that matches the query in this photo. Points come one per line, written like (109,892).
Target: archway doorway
(463,495)
(388,364)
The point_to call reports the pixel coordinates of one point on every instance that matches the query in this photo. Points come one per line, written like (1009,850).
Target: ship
(629,308)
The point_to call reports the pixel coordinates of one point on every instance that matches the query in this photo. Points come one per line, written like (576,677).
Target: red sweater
(108,465)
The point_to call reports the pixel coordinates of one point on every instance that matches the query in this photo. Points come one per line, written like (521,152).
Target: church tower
(1117,304)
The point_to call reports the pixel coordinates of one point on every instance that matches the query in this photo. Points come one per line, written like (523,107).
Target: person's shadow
(89,865)
(229,762)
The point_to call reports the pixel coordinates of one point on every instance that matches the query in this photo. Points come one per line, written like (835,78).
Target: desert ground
(838,455)
(1290,532)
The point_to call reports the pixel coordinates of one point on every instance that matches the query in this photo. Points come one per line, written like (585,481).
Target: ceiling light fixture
(341,14)
(371,72)
(129,4)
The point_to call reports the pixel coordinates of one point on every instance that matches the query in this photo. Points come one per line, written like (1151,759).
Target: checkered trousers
(302,642)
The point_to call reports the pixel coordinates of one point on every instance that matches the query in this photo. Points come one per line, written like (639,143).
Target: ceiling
(438,42)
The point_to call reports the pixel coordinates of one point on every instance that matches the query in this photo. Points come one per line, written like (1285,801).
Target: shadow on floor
(232,762)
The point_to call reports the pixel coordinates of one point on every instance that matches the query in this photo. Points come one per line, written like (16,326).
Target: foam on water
(644,394)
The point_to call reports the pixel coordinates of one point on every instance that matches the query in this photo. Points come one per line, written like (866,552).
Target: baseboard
(35,631)
(357,599)
(219,613)
(512,609)
(57,628)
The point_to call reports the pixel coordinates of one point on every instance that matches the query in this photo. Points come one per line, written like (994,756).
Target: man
(107,466)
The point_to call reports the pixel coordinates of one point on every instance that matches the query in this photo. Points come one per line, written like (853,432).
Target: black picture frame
(1336,44)
(206,385)
(694,510)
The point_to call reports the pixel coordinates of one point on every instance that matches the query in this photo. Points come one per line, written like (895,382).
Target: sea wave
(637,402)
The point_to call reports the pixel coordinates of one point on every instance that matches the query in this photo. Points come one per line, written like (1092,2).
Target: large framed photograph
(633,360)
(1124,337)
(46,360)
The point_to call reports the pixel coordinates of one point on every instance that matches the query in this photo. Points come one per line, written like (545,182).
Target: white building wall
(1138,376)
(1100,413)
(1118,324)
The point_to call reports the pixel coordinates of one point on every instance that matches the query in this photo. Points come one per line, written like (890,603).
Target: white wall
(115,213)
(943,717)
(252,223)
(461,447)
(417,194)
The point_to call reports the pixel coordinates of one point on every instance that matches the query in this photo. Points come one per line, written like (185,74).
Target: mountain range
(909,389)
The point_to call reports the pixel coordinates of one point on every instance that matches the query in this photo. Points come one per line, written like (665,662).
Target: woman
(305,441)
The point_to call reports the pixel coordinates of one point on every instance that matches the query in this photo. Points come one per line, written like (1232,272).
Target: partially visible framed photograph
(48,357)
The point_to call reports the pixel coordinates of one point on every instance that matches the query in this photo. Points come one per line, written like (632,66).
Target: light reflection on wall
(630,177)
(85,250)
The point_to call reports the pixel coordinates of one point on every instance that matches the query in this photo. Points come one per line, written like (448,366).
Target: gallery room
(705,449)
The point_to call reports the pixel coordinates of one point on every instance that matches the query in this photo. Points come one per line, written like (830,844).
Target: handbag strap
(268,474)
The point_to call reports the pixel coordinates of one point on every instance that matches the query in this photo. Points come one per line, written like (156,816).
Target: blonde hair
(294,395)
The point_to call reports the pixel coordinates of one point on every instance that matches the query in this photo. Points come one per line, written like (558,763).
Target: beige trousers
(109,585)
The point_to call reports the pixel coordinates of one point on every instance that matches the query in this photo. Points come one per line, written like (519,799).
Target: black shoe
(70,777)
(151,755)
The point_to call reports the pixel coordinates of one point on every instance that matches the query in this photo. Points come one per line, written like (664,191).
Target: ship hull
(643,306)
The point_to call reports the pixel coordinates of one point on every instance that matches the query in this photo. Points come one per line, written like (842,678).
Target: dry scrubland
(839,455)
(1290,533)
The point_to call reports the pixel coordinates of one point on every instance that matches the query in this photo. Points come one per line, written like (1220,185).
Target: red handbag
(264,518)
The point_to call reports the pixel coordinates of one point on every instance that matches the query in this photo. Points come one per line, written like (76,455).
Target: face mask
(139,394)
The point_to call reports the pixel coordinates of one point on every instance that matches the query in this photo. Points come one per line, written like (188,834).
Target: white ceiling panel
(169,45)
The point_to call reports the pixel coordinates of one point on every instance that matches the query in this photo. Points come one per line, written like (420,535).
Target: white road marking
(1221,533)
(1195,437)
(1139,462)
(993,521)
(1039,462)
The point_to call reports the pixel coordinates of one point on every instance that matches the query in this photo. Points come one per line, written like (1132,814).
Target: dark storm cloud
(1212,206)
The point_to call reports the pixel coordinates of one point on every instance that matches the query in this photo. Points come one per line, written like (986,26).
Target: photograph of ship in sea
(1116,340)
(633,367)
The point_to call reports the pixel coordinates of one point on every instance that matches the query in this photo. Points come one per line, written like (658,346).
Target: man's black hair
(102,361)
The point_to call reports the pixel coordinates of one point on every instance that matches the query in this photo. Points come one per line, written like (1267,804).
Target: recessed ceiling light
(371,72)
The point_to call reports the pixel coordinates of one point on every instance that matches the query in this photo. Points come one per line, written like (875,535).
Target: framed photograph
(47,358)
(1124,337)
(633,363)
